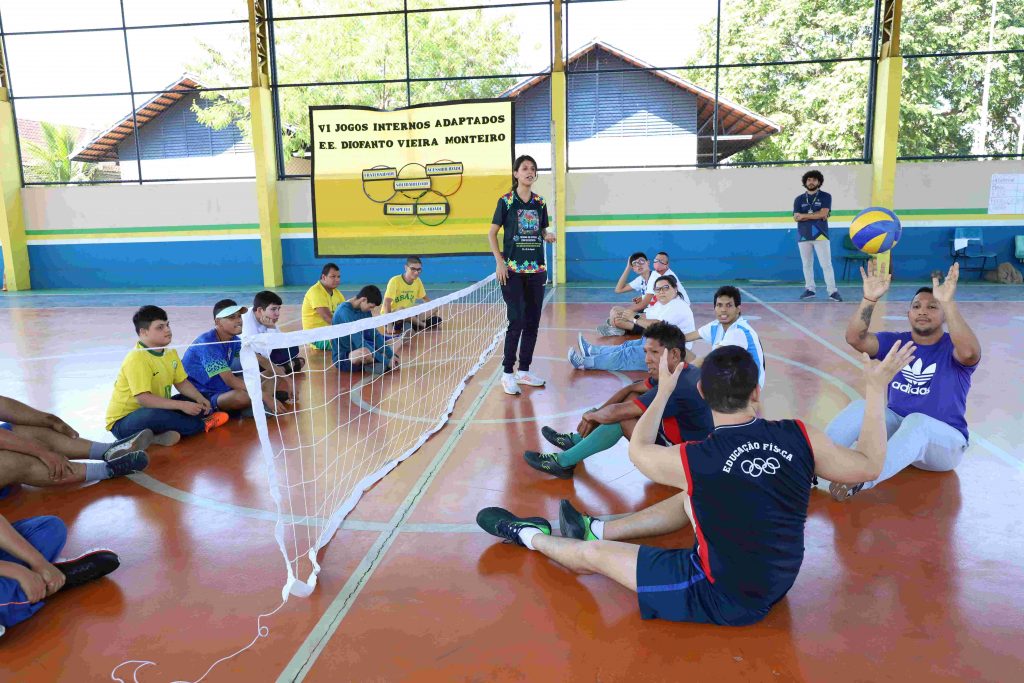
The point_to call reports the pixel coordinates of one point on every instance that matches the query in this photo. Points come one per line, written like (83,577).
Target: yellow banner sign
(422,180)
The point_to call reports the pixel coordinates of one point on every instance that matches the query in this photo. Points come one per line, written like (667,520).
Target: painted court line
(995,450)
(307,654)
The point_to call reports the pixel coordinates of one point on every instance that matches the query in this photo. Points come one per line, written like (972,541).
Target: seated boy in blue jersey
(208,359)
(925,415)
(369,347)
(40,449)
(730,328)
(30,570)
(745,490)
(687,417)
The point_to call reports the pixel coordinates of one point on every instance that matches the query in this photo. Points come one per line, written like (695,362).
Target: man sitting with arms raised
(687,417)
(354,351)
(745,491)
(925,418)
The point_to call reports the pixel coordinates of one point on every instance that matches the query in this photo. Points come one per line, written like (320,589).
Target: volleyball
(875,230)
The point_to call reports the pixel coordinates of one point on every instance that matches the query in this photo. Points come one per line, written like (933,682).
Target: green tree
(822,107)
(50,161)
(442,45)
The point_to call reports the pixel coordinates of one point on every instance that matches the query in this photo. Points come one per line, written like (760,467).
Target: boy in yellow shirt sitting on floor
(142,391)
(320,302)
(403,291)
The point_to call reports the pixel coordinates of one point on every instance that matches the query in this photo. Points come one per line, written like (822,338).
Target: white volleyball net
(343,429)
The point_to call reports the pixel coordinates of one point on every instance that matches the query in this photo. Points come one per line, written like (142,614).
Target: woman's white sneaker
(508,383)
(529,379)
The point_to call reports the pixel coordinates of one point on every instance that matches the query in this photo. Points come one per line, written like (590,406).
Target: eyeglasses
(663,288)
(415,269)
(661,261)
(638,262)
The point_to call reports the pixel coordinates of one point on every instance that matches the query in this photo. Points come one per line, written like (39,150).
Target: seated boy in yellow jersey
(320,302)
(403,291)
(142,391)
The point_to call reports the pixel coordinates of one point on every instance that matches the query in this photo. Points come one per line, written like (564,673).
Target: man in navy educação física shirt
(744,489)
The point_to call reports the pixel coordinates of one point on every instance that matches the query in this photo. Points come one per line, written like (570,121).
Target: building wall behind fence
(717,225)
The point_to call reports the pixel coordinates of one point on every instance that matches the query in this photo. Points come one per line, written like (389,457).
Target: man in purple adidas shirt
(928,398)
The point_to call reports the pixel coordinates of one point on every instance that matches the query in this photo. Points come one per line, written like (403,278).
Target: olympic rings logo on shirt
(757,466)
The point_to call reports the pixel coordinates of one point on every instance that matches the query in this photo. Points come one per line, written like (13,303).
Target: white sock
(597,528)
(95,470)
(526,535)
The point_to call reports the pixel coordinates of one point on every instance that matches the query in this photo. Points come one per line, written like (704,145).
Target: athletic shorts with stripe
(671,585)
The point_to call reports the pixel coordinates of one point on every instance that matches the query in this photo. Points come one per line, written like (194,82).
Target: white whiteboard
(1006,193)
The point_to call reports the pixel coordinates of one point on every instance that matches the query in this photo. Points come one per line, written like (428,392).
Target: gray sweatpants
(916,439)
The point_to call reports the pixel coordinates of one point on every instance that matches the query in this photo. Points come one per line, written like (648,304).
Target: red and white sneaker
(529,379)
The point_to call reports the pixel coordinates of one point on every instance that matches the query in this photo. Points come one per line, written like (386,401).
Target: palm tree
(51,161)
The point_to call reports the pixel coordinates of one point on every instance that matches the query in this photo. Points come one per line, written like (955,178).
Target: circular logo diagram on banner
(416,192)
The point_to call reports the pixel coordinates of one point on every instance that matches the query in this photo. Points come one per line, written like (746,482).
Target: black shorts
(671,585)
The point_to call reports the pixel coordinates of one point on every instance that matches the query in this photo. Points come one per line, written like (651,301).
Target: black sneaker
(88,567)
(563,441)
(843,492)
(503,524)
(808,294)
(135,442)
(834,296)
(546,463)
(128,463)
(573,523)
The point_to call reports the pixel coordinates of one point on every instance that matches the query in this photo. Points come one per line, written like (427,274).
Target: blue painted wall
(717,255)
(698,255)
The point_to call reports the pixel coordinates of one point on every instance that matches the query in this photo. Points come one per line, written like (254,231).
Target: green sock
(601,439)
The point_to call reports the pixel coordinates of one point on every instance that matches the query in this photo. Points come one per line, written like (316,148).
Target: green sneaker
(548,464)
(573,523)
(503,524)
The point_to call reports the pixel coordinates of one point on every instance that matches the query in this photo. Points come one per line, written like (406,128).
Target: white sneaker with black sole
(509,385)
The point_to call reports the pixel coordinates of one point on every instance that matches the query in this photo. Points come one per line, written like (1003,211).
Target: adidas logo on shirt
(917,377)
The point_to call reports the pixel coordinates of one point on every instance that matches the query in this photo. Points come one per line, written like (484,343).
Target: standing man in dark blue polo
(810,211)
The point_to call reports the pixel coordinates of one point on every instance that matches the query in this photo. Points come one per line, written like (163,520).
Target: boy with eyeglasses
(403,291)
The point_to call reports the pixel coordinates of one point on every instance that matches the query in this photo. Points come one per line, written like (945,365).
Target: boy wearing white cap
(208,360)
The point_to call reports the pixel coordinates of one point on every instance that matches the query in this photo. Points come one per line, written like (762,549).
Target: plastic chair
(852,255)
(972,246)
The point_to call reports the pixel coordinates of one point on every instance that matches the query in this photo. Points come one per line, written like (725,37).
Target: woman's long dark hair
(520,160)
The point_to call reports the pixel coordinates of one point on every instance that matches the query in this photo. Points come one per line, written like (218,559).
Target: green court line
(155,228)
(749,215)
(307,654)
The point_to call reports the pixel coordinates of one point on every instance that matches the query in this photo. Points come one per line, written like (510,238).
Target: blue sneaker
(576,360)
(586,348)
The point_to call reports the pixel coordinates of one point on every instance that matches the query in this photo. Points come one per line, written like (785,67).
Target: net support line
(262,344)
